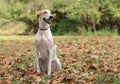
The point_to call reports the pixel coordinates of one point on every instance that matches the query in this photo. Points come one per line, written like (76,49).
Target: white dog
(45,50)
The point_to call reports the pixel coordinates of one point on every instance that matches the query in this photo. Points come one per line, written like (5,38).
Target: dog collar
(43,29)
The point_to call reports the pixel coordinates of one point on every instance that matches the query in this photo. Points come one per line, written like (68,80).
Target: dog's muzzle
(48,20)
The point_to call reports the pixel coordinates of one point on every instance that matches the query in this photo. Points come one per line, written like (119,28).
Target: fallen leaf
(90,78)
(53,82)
(85,68)
(84,74)
(5,82)
(93,66)
(69,79)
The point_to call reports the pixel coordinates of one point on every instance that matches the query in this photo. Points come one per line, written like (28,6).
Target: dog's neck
(43,25)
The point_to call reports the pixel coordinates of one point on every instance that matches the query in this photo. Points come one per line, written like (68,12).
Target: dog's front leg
(50,61)
(36,64)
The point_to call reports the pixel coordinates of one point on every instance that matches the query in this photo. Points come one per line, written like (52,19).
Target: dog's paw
(49,73)
(38,71)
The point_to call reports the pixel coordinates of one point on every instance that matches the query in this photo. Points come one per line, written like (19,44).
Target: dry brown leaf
(66,69)
(93,66)
(8,77)
(5,82)
(69,79)
(115,70)
(54,82)
(84,74)
(85,68)
(4,69)
(55,75)
(90,78)
(94,57)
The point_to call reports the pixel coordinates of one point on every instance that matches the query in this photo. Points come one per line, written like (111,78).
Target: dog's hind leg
(57,59)
(56,65)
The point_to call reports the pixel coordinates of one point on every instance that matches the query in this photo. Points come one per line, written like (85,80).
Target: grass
(11,27)
(84,59)
(16,38)
(100,33)
(117,81)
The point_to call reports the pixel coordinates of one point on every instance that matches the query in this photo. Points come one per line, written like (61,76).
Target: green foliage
(70,16)
(86,15)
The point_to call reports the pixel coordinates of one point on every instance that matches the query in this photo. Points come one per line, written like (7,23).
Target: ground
(85,60)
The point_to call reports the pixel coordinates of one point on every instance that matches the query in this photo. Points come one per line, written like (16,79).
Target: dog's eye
(45,12)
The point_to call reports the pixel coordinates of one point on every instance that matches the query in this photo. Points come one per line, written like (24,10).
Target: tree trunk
(94,26)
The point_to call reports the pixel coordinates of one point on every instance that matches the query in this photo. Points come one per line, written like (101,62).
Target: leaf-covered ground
(85,60)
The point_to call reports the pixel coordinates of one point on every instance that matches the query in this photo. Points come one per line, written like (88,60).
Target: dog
(45,50)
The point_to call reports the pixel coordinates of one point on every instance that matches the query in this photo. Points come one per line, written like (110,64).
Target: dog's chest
(43,44)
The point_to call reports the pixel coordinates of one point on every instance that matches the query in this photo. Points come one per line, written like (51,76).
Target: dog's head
(45,15)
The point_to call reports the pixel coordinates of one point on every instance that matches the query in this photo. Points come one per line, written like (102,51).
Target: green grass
(12,27)
(117,81)
(100,79)
(16,38)
(100,33)
(29,37)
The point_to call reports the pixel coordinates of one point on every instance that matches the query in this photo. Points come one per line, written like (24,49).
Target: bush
(89,15)
(70,16)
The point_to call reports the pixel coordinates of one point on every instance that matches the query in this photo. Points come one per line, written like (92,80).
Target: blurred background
(71,17)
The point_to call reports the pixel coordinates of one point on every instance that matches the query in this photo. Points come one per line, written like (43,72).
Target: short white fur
(45,49)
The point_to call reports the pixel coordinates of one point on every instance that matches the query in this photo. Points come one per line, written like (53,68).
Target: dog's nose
(51,17)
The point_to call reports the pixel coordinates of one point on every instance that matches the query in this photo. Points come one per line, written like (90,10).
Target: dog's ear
(38,15)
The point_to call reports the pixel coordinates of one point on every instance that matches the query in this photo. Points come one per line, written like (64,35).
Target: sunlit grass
(16,37)
(29,37)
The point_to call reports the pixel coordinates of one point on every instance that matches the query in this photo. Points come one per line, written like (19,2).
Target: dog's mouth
(47,20)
